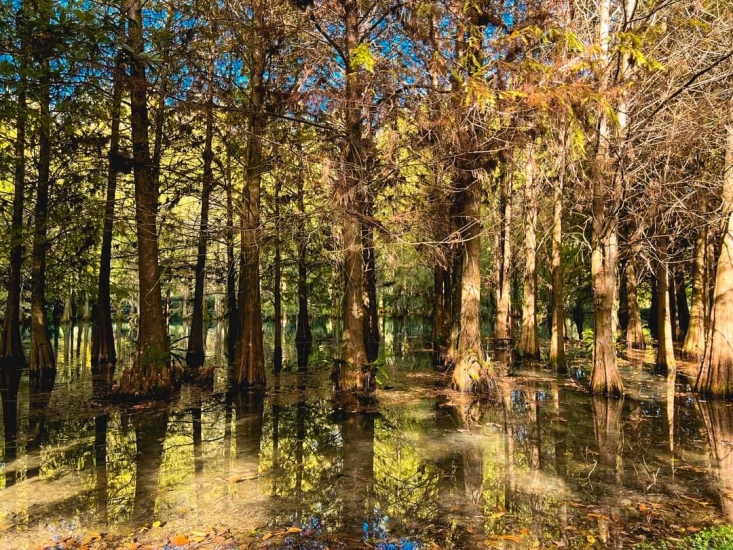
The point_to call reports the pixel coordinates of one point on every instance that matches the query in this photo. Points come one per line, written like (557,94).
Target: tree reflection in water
(541,462)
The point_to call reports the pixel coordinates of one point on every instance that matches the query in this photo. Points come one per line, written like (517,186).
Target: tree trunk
(232,310)
(557,343)
(605,378)
(456,286)
(277,286)
(694,345)
(41,353)
(529,345)
(195,355)
(441,312)
(502,327)
(634,329)
(352,375)
(683,312)
(303,338)
(471,373)
(665,346)
(654,307)
(249,368)
(151,372)
(716,371)
(12,355)
(371,309)
(103,342)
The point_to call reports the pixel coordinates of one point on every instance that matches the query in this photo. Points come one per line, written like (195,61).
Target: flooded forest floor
(543,465)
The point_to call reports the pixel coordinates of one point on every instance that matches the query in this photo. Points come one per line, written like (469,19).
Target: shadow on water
(541,464)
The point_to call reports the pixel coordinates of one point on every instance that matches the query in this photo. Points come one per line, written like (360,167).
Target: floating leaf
(179,540)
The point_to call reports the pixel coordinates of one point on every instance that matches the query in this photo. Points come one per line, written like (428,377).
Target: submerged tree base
(354,387)
(472,375)
(149,378)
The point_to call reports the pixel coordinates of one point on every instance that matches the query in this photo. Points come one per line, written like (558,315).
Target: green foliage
(718,538)
(362,58)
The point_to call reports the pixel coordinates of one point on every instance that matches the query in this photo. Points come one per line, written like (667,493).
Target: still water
(543,465)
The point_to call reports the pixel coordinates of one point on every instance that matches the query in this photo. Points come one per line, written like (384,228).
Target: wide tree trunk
(42,359)
(249,368)
(195,355)
(694,345)
(151,372)
(502,326)
(12,355)
(352,376)
(471,372)
(303,338)
(103,342)
(605,378)
(529,345)
(557,337)
(665,346)
(716,371)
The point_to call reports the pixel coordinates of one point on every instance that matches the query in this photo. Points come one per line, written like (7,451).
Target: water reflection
(543,463)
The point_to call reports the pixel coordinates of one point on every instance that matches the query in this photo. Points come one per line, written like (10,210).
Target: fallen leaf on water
(179,540)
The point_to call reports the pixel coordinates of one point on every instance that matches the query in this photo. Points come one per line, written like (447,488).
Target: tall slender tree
(152,371)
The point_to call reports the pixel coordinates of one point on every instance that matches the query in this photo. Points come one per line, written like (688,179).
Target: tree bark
(605,378)
(683,312)
(151,372)
(471,373)
(529,345)
(249,368)
(694,345)
(557,337)
(352,376)
(103,342)
(303,338)
(716,371)
(42,359)
(232,310)
(12,355)
(195,354)
(634,330)
(277,286)
(502,327)
(371,309)
(665,346)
